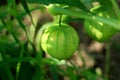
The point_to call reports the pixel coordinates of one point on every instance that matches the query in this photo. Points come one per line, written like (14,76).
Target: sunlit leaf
(75,3)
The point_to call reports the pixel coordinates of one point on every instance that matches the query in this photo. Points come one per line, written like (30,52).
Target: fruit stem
(60,19)
(80,14)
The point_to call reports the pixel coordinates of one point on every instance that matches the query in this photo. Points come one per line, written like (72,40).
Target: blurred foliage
(21,56)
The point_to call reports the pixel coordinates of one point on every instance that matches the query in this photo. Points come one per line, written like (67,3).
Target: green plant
(24,37)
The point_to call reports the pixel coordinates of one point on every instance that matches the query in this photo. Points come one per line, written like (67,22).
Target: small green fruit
(97,30)
(60,41)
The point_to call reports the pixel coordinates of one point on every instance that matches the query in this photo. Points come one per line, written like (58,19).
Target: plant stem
(116,8)
(19,62)
(7,67)
(60,20)
(9,73)
(80,14)
(107,61)
(82,59)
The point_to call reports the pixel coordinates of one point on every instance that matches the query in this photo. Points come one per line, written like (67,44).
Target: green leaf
(8,26)
(88,3)
(3,14)
(55,10)
(22,59)
(54,73)
(1,27)
(90,76)
(71,73)
(26,70)
(74,3)
(21,24)
(14,12)
(24,3)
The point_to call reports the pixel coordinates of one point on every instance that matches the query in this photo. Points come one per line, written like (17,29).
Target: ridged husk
(60,41)
(97,30)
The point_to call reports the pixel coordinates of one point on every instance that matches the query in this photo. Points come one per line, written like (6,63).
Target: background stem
(7,68)
(107,61)
(19,62)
